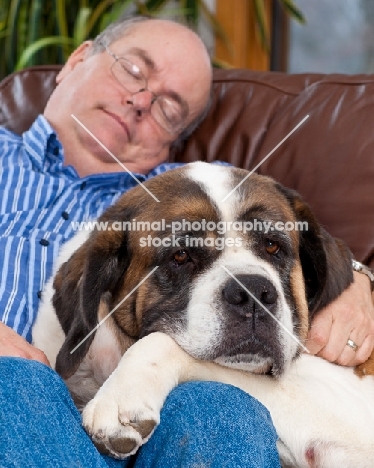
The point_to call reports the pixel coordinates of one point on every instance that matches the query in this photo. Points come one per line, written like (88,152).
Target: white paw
(119,422)
(126,409)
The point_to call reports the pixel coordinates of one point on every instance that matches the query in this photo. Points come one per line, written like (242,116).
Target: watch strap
(361,268)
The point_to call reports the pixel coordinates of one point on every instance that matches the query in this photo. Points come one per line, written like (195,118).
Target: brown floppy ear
(90,276)
(325,261)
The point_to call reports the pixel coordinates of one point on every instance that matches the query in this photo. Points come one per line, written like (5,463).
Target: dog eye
(181,257)
(272,248)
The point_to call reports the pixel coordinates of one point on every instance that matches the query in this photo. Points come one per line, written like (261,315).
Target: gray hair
(116,30)
(120,28)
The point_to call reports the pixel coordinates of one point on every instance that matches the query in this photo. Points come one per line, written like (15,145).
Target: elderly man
(121,102)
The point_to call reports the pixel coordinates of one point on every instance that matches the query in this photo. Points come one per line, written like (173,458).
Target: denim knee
(218,398)
(211,392)
(33,381)
(212,425)
(40,426)
(19,367)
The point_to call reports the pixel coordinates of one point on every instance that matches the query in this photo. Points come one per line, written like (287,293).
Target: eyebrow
(144,56)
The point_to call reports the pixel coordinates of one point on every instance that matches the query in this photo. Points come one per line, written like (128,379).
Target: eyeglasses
(169,113)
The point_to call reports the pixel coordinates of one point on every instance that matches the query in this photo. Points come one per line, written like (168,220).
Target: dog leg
(126,409)
(310,415)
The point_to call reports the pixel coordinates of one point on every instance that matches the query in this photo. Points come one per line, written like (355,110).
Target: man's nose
(142,100)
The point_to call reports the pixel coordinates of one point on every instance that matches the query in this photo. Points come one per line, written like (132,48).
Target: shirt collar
(37,139)
(46,152)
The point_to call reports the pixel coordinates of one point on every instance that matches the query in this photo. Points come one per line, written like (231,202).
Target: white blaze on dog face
(204,327)
(220,327)
(217,181)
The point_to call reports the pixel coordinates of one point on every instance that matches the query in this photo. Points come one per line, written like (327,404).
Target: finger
(35,354)
(347,356)
(10,350)
(345,325)
(337,343)
(38,355)
(14,345)
(337,350)
(22,350)
(364,351)
(319,332)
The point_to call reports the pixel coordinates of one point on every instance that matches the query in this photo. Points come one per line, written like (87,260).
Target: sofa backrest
(329,159)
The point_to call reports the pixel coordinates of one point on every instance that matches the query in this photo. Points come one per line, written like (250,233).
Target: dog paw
(119,425)
(126,409)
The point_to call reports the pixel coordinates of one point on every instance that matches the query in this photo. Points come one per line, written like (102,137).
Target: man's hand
(350,316)
(12,344)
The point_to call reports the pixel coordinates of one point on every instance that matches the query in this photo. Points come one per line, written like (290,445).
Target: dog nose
(250,294)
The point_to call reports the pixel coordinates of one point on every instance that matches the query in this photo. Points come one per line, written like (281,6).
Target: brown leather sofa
(329,159)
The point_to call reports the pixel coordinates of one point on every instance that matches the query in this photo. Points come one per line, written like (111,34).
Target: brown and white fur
(190,320)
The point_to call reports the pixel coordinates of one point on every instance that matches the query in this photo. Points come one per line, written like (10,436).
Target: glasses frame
(169,128)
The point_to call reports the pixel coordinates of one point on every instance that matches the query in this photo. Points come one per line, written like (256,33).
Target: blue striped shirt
(40,198)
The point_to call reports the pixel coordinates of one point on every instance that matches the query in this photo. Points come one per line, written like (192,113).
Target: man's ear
(79,54)
(325,261)
(83,284)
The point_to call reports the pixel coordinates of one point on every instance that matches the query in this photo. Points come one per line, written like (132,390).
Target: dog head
(221,263)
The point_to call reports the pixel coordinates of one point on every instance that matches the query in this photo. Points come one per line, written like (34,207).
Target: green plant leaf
(292,10)
(35,21)
(97,13)
(192,7)
(4,33)
(174,13)
(10,51)
(80,27)
(62,25)
(216,26)
(40,44)
(262,24)
(22,27)
(113,13)
(154,6)
(221,64)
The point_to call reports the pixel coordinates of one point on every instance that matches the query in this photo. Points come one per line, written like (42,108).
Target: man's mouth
(120,121)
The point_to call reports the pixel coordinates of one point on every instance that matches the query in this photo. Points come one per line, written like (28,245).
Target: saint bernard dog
(235,311)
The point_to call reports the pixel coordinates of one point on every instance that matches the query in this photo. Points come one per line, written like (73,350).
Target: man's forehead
(150,37)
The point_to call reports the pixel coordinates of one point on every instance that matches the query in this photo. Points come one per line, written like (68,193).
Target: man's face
(175,64)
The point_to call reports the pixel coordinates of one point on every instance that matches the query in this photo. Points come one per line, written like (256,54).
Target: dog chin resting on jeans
(218,285)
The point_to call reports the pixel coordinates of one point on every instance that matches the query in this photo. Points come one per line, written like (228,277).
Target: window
(338,37)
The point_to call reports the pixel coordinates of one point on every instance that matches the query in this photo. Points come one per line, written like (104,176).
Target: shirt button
(65,215)
(39,294)
(44,242)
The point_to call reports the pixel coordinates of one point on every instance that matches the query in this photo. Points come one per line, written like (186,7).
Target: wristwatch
(361,268)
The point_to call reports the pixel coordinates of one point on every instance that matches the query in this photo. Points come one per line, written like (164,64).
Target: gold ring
(352,345)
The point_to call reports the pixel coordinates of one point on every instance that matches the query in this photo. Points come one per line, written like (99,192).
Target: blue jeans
(202,425)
